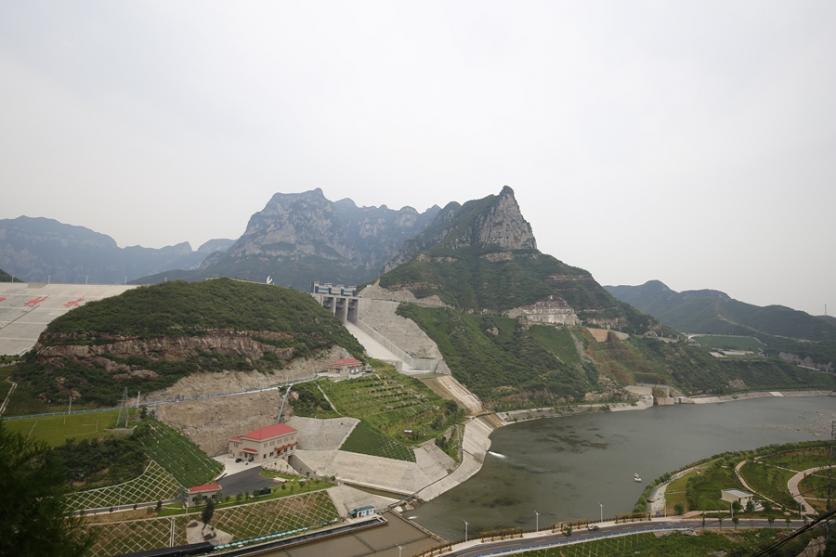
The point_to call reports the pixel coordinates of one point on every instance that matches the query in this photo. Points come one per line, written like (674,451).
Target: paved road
(793,482)
(553,540)
(245,481)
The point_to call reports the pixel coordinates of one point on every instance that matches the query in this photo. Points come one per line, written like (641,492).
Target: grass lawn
(676,493)
(814,489)
(769,481)
(56,430)
(703,488)
(729,342)
(365,439)
(671,545)
(801,458)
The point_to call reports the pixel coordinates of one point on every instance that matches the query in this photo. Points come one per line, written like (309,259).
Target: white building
(736,495)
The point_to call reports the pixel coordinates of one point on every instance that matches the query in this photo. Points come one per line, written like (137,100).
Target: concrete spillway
(375,349)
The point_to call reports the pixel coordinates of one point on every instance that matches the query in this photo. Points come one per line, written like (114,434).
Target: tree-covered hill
(483,256)
(781,329)
(148,338)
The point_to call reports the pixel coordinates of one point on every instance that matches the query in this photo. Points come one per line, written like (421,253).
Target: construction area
(27,308)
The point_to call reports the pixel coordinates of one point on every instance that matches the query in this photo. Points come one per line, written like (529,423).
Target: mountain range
(302,237)
(469,275)
(779,328)
(42,249)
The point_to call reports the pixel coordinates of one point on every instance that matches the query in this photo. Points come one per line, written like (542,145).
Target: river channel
(565,468)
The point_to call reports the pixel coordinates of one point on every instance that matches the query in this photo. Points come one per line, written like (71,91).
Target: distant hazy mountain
(712,311)
(301,237)
(782,329)
(42,249)
(6,277)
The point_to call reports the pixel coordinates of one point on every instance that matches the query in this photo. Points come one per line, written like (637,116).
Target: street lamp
(400,551)
(602,511)
(465,530)
(537,521)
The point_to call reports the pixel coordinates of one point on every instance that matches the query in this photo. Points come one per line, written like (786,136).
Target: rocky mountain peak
(503,225)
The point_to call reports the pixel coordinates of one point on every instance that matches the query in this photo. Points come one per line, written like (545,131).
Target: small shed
(359,512)
(196,495)
(736,495)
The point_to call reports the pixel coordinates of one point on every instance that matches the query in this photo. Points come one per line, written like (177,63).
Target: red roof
(249,450)
(268,432)
(347,362)
(203,488)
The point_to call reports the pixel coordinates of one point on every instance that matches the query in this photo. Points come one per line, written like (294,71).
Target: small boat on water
(637,478)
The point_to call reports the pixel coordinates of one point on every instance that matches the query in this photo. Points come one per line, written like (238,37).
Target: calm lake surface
(565,467)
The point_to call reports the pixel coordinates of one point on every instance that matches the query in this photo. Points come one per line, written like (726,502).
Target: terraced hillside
(153,463)
(278,517)
(149,337)
(395,411)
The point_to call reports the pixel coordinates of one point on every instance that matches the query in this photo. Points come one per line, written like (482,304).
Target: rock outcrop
(301,237)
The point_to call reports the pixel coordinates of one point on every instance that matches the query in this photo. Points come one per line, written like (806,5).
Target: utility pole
(536,521)
(602,511)
(465,530)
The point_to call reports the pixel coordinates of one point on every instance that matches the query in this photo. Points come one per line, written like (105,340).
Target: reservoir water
(565,467)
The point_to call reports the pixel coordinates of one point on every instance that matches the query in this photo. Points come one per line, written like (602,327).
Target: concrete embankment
(475,445)
(752,395)
(400,336)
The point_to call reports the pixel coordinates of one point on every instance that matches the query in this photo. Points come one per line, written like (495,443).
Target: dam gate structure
(340,300)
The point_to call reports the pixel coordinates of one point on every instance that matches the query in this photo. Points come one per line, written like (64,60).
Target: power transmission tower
(123,409)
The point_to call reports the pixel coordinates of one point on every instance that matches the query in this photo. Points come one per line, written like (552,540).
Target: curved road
(793,486)
(511,547)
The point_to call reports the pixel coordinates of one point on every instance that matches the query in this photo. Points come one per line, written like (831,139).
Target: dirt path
(793,483)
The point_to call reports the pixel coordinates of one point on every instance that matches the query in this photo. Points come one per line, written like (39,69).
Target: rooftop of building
(205,488)
(266,432)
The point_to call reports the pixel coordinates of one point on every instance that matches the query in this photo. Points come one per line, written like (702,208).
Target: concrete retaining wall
(401,336)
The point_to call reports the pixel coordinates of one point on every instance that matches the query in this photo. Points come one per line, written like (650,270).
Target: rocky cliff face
(298,238)
(490,224)
(503,226)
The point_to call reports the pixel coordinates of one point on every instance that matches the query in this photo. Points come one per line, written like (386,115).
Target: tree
(34,517)
(750,506)
(736,506)
(208,511)
(678,508)
(771,520)
(767,507)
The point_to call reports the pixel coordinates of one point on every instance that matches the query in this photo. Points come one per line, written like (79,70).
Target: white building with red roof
(346,367)
(264,444)
(195,495)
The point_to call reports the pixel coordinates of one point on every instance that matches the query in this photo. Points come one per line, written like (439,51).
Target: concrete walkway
(794,482)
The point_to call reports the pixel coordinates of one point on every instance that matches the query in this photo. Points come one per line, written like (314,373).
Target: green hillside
(779,328)
(512,366)
(483,256)
(148,338)
(504,363)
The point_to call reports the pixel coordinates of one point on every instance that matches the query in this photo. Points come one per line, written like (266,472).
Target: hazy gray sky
(694,142)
